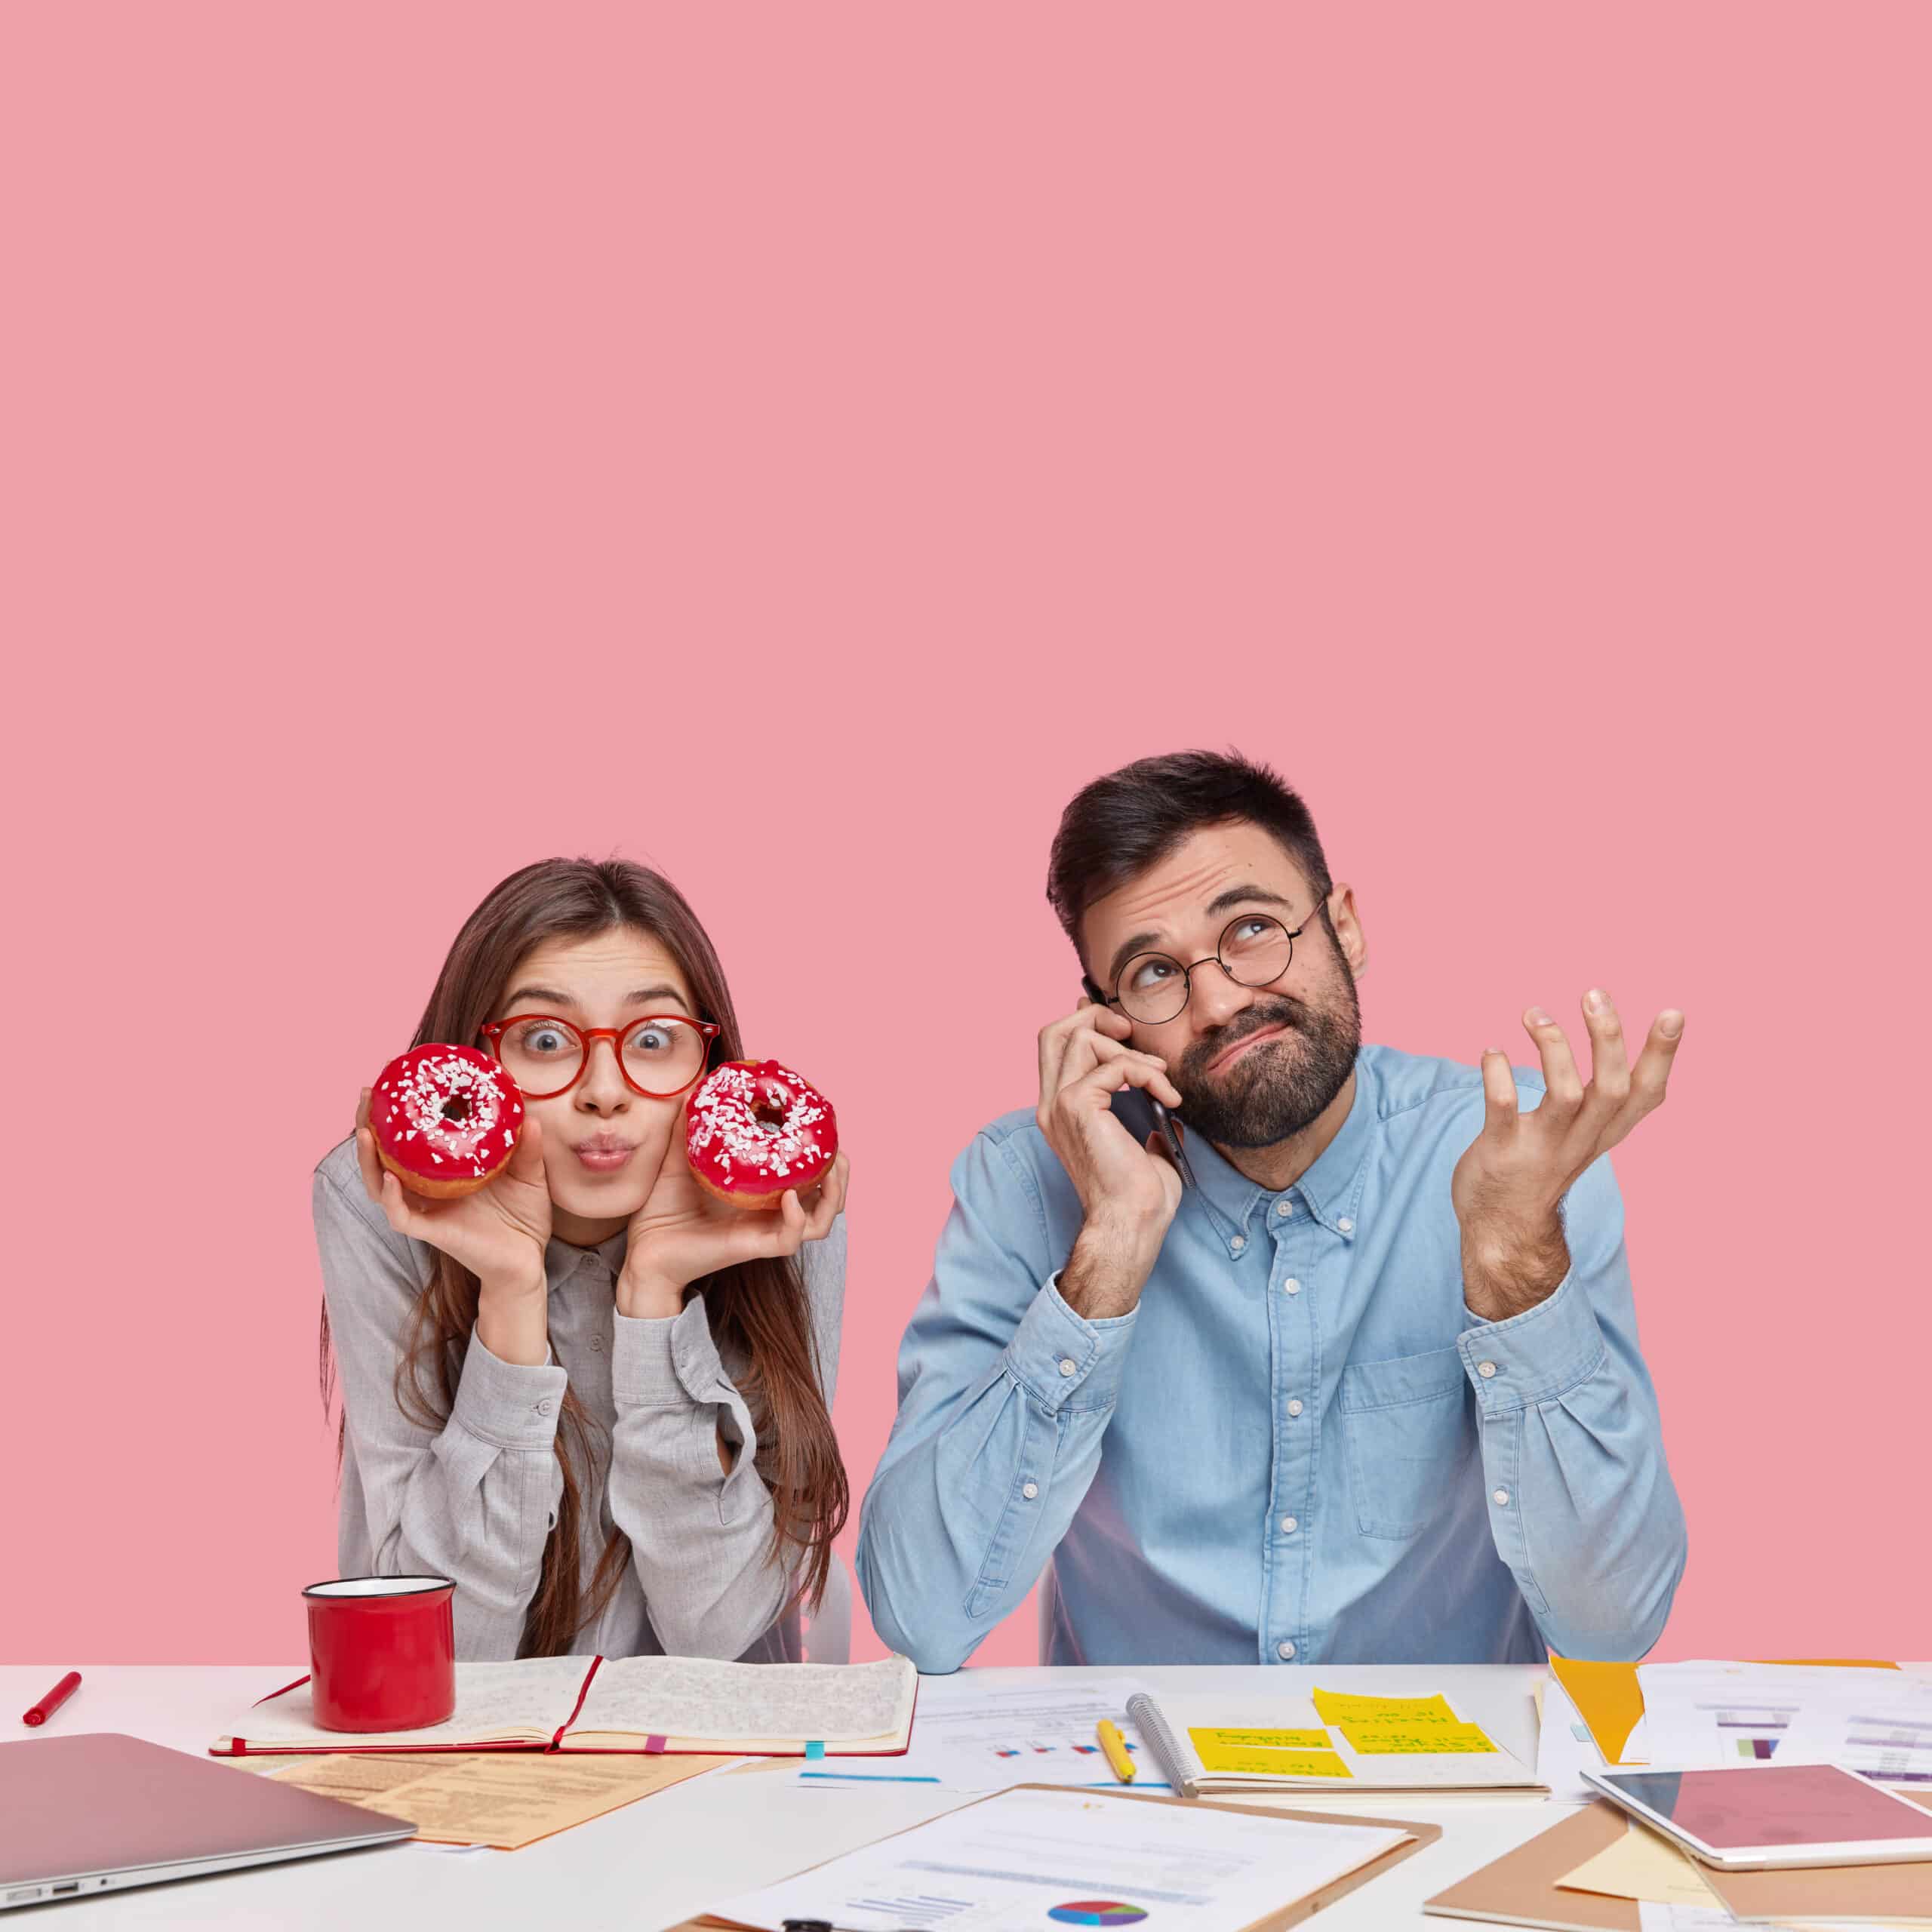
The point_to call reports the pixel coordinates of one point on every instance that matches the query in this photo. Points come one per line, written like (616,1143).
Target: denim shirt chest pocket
(1411,1429)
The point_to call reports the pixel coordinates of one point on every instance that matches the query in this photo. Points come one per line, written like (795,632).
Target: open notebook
(642,1704)
(1328,1741)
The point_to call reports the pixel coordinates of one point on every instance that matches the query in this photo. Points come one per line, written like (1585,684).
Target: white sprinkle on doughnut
(457,1101)
(745,1121)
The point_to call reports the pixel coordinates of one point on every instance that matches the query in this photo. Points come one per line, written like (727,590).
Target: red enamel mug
(382,1652)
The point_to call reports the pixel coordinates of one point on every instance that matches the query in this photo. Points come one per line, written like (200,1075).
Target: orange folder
(1610,1700)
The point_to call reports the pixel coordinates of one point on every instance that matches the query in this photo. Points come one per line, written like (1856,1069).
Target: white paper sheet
(1714,1918)
(1885,1732)
(1565,1747)
(1721,1714)
(1024,1860)
(970,1737)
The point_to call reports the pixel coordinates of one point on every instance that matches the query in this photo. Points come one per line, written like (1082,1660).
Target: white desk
(673,1855)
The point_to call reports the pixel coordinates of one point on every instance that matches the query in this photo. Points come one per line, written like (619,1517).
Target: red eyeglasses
(660,1056)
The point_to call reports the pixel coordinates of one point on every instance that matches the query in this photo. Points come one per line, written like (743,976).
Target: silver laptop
(97,1812)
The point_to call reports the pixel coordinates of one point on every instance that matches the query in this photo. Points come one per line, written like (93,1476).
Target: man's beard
(1277,1089)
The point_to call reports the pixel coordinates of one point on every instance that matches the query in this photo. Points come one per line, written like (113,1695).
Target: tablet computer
(1758,1817)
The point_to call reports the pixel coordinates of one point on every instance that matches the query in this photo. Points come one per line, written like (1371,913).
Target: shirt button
(1031,1490)
(1289,1526)
(1347,1226)
(596,1345)
(543,1406)
(1285,1208)
(1284,1651)
(1066,1364)
(1291,1286)
(1500,1497)
(1294,1405)
(1485,1369)
(1239,1242)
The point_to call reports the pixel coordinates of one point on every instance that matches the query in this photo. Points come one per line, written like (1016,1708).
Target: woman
(592,1396)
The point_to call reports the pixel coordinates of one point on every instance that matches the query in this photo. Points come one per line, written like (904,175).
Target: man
(1367,1388)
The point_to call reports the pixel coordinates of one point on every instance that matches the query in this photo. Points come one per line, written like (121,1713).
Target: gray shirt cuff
(666,1362)
(511,1404)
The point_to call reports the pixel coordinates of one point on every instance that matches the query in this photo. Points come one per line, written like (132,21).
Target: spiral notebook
(1328,1741)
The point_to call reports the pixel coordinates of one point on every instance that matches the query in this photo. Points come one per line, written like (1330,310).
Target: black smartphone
(1170,1132)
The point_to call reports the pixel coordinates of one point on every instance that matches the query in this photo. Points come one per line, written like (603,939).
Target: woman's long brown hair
(758,1309)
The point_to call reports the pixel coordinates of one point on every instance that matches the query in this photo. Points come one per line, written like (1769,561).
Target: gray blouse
(475,1500)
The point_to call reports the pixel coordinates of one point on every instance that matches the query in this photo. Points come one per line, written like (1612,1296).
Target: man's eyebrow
(1139,943)
(1244,895)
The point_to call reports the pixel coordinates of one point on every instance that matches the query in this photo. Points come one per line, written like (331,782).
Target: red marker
(54,1699)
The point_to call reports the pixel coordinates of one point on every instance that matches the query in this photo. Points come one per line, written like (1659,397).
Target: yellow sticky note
(1344,1707)
(1416,1737)
(1216,1737)
(1217,1752)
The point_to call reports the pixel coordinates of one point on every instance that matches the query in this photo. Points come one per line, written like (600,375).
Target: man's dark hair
(1118,825)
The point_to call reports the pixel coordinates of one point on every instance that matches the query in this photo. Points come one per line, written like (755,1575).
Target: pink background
(798,447)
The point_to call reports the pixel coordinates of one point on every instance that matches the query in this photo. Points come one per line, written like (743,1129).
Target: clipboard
(1291,1914)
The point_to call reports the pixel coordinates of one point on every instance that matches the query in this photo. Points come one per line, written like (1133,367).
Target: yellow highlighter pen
(1114,1745)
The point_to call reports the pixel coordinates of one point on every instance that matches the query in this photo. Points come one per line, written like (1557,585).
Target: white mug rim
(375,1589)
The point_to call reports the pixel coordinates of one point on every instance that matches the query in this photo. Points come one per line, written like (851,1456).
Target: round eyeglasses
(660,1056)
(1253,950)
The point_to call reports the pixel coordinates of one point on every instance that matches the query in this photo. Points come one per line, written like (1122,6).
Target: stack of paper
(1885,1731)
(1672,1890)
(1596,1871)
(1715,1714)
(1713,1918)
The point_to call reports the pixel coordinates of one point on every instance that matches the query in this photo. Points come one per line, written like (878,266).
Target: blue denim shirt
(1301,1446)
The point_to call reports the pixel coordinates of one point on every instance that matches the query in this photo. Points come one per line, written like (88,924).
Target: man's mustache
(1281,1011)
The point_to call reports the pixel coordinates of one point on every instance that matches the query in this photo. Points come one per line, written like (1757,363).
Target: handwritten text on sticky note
(1261,1740)
(1344,1707)
(1311,1754)
(1416,1737)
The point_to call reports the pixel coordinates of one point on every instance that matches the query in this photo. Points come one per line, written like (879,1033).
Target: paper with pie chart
(1035,1861)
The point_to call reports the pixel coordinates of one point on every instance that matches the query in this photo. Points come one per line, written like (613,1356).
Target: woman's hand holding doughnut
(681,1234)
(498,1233)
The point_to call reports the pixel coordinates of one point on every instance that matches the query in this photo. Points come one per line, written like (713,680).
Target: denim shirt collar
(1330,1189)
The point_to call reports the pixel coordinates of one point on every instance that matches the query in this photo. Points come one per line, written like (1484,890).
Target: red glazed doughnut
(753,1129)
(445,1119)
